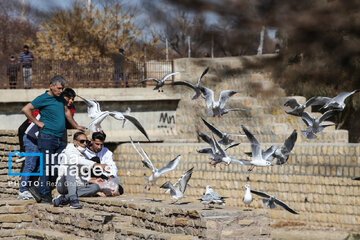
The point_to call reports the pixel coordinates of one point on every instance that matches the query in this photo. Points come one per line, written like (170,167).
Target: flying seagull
(257,156)
(247,199)
(156,173)
(298,109)
(217,108)
(178,191)
(313,124)
(218,155)
(281,154)
(159,83)
(270,201)
(211,197)
(195,87)
(337,102)
(95,113)
(209,140)
(224,137)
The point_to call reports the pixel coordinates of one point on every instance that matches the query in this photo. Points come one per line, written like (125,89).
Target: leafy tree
(82,33)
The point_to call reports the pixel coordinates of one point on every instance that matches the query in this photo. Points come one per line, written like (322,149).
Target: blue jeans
(50,146)
(30,161)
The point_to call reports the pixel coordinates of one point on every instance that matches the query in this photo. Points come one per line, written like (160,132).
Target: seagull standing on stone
(156,173)
(211,197)
(270,201)
(298,109)
(337,102)
(178,191)
(195,87)
(257,156)
(224,137)
(313,124)
(217,108)
(247,199)
(159,83)
(95,113)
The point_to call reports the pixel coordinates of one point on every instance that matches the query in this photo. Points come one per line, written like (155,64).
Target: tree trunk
(261,45)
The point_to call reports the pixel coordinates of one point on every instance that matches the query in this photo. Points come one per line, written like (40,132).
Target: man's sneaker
(25,195)
(74,203)
(60,200)
(46,199)
(35,193)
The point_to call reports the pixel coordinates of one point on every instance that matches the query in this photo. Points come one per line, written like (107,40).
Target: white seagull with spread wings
(217,108)
(258,157)
(270,201)
(159,83)
(195,87)
(337,102)
(298,109)
(156,173)
(178,192)
(313,124)
(95,113)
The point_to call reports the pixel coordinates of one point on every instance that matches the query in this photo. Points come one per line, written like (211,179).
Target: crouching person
(74,178)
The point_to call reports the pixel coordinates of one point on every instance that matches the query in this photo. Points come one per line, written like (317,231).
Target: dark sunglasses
(82,141)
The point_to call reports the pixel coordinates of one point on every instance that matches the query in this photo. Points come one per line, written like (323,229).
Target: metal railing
(77,75)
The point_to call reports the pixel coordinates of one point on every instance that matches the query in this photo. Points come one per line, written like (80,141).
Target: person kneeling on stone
(74,178)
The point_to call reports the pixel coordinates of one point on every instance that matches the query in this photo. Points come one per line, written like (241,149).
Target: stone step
(50,234)
(142,233)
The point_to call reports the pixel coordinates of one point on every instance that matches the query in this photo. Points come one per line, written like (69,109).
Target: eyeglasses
(82,141)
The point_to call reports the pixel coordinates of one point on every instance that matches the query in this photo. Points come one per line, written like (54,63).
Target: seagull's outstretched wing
(201,76)
(213,129)
(168,185)
(255,145)
(95,125)
(137,124)
(184,83)
(343,95)
(292,103)
(218,147)
(170,166)
(231,146)
(314,101)
(224,97)
(93,107)
(185,179)
(269,152)
(204,137)
(163,79)
(261,194)
(289,143)
(209,96)
(308,120)
(284,206)
(144,156)
(328,114)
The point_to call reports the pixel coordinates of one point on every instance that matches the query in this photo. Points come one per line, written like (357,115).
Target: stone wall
(129,218)
(316,182)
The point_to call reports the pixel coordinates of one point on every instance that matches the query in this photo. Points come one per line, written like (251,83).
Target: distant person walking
(26,58)
(119,65)
(12,71)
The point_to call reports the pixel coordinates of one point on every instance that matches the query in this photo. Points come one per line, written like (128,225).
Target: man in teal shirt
(53,112)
